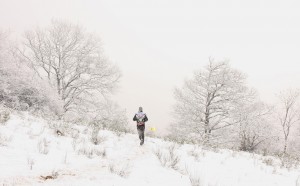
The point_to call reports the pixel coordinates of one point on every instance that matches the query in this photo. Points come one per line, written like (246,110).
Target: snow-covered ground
(32,154)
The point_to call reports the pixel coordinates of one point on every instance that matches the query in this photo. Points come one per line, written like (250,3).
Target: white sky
(159,43)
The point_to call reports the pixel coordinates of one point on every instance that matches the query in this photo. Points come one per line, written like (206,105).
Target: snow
(30,150)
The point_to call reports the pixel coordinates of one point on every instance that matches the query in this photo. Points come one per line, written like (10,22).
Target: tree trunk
(285,145)
(207,129)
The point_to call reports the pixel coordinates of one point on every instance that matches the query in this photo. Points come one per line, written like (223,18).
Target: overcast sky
(159,43)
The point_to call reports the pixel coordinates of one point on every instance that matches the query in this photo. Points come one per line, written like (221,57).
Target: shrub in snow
(197,153)
(74,143)
(101,138)
(43,146)
(85,131)
(195,181)
(86,150)
(91,152)
(173,157)
(98,138)
(61,128)
(4,116)
(94,137)
(30,162)
(101,152)
(20,91)
(75,133)
(158,152)
(4,139)
(167,156)
(194,177)
(85,147)
(289,161)
(268,161)
(118,133)
(119,169)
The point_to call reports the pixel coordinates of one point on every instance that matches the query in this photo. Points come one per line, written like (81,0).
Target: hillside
(31,153)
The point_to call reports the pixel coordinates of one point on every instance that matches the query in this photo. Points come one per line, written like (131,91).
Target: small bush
(118,133)
(268,161)
(43,146)
(4,116)
(197,153)
(61,128)
(121,170)
(168,157)
(160,157)
(158,153)
(75,133)
(195,178)
(87,151)
(83,147)
(289,162)
(101,152)
(173,157)
(30,162)
(4,139)
(23,91)
(98,138)
(94,137)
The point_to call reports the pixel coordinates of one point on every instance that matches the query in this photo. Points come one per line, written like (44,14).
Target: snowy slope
(30,151)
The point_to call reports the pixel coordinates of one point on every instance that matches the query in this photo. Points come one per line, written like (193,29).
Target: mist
(159,44)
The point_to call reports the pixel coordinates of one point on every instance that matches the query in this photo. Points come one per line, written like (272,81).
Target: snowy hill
(31,153)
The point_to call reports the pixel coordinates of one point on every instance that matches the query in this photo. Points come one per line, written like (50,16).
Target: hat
(140,109)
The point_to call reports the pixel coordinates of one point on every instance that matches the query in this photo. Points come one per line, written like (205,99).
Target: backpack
(140,118)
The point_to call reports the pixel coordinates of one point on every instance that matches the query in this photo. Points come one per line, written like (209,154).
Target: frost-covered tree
(71,59)
(288,113)
(111,117)
(20,88)
(206,102)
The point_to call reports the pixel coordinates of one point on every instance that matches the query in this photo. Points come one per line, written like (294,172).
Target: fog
(157,44)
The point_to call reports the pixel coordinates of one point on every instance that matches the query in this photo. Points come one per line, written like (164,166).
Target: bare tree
(289,113)
(206,102)
(72,61)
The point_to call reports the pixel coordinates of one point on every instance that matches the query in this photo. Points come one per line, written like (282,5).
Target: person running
(140,119)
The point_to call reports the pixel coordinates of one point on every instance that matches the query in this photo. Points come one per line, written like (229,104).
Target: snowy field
(31,153)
